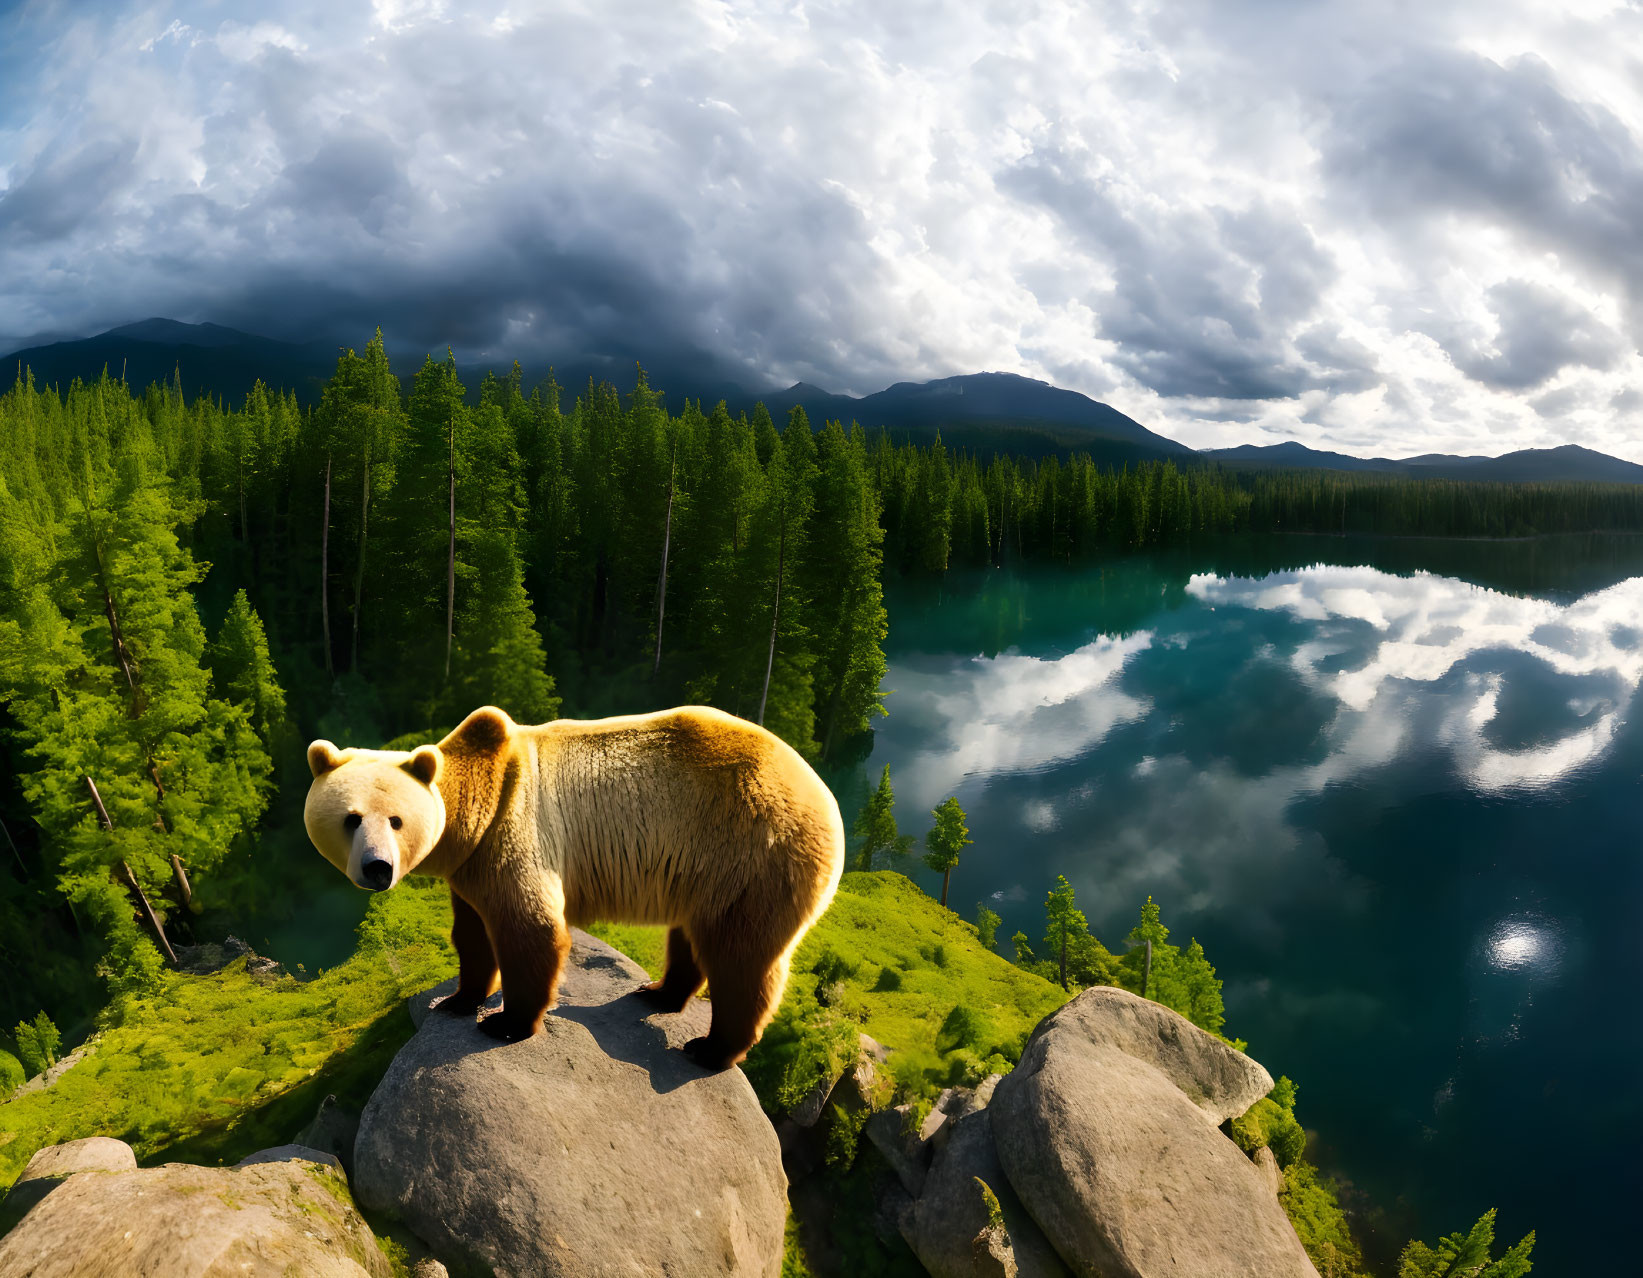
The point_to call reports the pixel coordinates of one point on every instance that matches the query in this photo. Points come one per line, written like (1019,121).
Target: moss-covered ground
(211,1068)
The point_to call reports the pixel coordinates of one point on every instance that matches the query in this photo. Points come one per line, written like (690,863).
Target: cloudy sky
(1378,227)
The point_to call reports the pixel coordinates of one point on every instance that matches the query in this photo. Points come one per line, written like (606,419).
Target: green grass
(887,961)
(646,946)
(211,1068)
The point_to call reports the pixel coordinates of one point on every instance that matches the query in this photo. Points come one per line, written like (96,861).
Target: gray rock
(332,1130)
(293,1153)
(952,1232)
(908,1156)
(1266,1162)
(1214,1075)
(1107,1133)
(428,1267)
(591,1149)
(177,1221)
(54,1164)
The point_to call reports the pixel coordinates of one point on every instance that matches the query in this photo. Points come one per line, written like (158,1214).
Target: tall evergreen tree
(875,826)
(946,840)
(243,672)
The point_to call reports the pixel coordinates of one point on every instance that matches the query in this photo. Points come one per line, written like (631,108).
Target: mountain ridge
(982,412)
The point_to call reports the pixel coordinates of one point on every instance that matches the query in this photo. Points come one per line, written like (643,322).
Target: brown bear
(690,818)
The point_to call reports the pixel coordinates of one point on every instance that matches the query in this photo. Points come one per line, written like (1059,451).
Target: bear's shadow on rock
(600,993)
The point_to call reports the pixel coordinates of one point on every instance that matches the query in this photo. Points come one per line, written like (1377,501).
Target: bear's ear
(485,730)
(424,764)
(322,757)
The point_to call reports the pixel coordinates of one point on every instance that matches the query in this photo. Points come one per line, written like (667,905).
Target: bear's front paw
(456,1005)
(708,1054)
(505,1028)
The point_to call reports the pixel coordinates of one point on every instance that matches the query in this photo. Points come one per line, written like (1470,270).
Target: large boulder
(968,1223)
(594,1148)
(1108,1132)
(54,1164)
(266,1220)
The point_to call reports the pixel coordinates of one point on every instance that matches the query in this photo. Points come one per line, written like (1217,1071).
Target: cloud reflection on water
(1423,627)
(1183,749)
(1013,713)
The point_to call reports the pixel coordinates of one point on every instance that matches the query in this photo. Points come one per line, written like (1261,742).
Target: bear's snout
(376,874)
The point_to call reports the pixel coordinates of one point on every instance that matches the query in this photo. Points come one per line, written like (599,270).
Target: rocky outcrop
(263,1220)
(1266,1162)
(1107,1130)
(594,1148)
(968,1221)
(332,1130)
(210,956)
(51,1166)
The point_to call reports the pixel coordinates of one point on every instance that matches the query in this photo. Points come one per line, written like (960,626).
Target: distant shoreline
(1374,536)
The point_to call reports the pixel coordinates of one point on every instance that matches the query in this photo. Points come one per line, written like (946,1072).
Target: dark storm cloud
(1540,333)
(54,197)
(1203,299)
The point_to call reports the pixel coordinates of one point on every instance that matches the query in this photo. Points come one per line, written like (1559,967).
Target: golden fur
(688,818)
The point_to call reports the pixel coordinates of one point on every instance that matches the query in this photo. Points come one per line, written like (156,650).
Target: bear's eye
(395,822)
(350,822)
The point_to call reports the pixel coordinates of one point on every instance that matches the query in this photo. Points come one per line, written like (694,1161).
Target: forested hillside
(190,590)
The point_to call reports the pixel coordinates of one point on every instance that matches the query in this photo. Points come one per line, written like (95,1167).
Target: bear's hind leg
(681,978)
(745,996)
(476,962)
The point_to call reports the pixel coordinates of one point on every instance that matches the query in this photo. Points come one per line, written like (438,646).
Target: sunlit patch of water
(1525,944)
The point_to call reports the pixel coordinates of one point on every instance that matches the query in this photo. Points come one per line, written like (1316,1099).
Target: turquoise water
(1394,789)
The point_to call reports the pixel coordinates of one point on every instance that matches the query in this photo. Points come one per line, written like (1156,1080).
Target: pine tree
(842,570)
(1467,1255)
(243,672)
(498,659)
(37,1043)
(1064,926)
(1201,989)
(1079,959)
(876,826)
(987,925)
(945,841)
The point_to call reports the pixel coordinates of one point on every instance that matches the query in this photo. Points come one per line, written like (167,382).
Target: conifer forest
(191,590)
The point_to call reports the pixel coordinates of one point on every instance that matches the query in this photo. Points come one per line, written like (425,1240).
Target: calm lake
(1394,787)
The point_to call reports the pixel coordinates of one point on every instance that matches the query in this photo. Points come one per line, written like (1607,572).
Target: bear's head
(374,814)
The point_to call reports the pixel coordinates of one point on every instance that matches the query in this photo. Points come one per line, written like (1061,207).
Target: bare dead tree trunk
(245,523)
(359,573)
(667,541)
(131,879)
(450,560)
(324,569)
(182,881)
(830,737)
(1063,956)
(122,655)
(776,612)
(1146,972)
(18,856)
(159,796)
